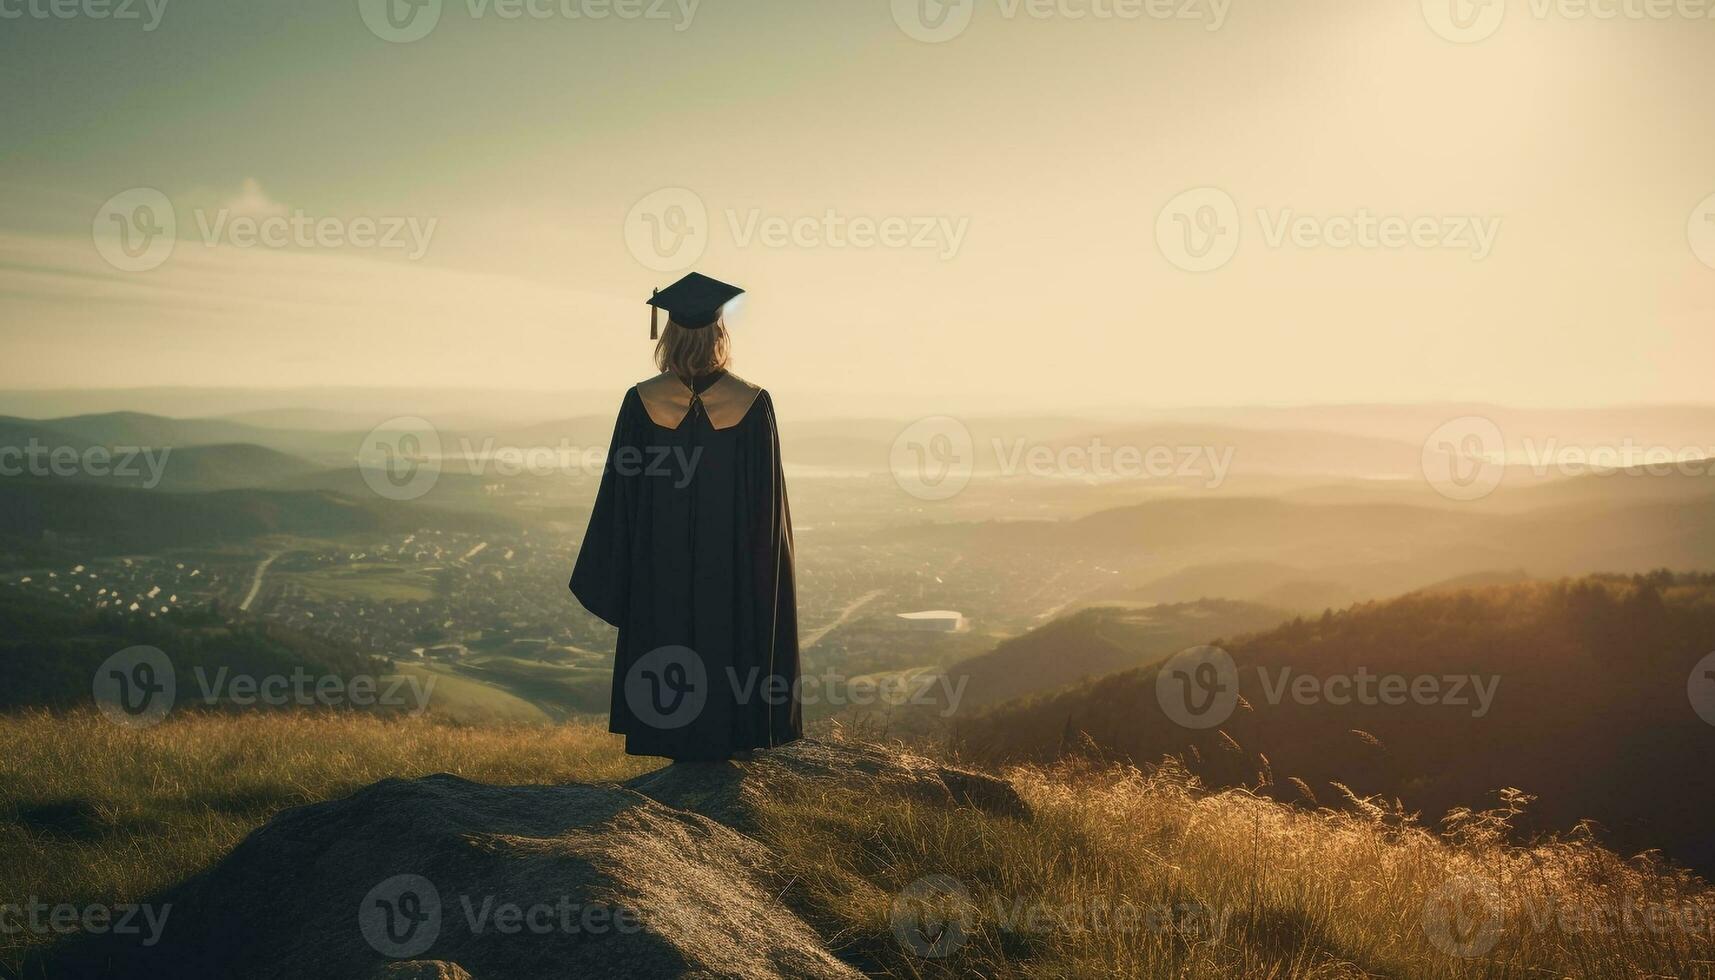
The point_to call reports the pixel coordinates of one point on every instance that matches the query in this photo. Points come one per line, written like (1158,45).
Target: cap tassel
(654,313)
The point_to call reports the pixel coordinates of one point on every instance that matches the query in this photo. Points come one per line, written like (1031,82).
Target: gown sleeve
(603,569)
(782,599)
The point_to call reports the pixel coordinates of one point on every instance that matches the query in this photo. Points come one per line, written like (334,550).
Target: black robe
(689,554)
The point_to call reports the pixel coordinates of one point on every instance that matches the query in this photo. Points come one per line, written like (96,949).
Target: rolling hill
(104,519)
(1380,548)
(231,466)
(1097,641)
(50,651)
(1293,589)
(136,429)
(140,429)
(1272,583)
(1587,709)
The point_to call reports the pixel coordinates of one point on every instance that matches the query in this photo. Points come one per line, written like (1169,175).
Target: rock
(726,791)
(441,878)
(421,970)
(495,883)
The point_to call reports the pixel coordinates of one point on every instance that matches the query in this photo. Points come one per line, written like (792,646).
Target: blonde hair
(691,353)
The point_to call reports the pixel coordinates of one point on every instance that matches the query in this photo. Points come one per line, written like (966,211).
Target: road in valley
(815,636)
(256,582)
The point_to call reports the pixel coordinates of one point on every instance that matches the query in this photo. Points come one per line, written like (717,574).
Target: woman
(689,549)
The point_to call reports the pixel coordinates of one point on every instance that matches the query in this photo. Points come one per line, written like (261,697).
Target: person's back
(689,550)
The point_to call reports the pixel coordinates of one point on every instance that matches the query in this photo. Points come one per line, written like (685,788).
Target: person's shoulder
(664,397)
(655,385)
(730,399)
(737,383)
(630,401)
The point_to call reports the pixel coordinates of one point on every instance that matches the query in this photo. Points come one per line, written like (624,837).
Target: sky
(998,204)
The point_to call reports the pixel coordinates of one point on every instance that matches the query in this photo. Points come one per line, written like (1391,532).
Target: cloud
(223,315)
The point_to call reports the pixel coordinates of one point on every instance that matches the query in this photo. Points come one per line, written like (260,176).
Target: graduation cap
(693,302)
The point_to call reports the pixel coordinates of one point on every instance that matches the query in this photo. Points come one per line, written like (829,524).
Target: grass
(1121,872)
(555,687)
(91,812)
(369,580)
(464,699)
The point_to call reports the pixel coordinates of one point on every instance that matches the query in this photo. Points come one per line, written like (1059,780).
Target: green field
(459,698)
(560,689)
(367,580)
(488,689)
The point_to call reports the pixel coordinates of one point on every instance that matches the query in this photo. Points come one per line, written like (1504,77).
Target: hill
(50,651)
(140,429)
(233,466)
(1375,549)
(1271,583)
(357,847)
(1296,590)
(1574,691)
(1098,641)
(318,420)
(679,890)
(103,519)
(111,519)
(17,433)
(1685,479)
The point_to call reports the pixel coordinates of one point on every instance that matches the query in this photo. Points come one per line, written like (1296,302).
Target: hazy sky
(1526,207)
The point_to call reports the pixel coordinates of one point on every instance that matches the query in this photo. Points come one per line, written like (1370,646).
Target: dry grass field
(1121,872)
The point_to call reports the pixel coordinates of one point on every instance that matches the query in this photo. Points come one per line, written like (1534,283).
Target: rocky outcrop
(441,878)
(727,791)
(421,970)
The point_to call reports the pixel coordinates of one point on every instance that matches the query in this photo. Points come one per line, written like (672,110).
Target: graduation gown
(689,554)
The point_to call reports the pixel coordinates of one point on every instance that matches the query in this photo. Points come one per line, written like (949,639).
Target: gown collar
(725,398)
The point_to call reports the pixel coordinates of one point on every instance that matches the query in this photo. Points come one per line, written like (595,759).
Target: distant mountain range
(369,402)
(1320,466)
(234,466)
(1192,547)
(202,455)
(135,429)
(845,405)
(138,429)
(1289,587)
(1316,541)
